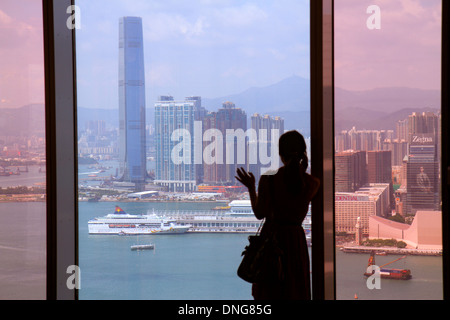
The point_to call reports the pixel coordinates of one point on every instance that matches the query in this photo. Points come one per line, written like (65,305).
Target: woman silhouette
(283,199)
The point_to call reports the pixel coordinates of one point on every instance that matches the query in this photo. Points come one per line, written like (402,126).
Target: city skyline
(196,146)
(192,25)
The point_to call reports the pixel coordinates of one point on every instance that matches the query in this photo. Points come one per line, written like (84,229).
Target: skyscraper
(422,170)
(379,170)
(379,167)
(422,167)
(176,168)
(231,118)
(351,170)
(210,171)
(132,144)
(263,126)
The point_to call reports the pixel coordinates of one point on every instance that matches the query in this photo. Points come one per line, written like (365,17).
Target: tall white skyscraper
(175,169)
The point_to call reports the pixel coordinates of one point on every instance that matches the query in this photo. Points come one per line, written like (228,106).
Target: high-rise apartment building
(132,138)
(96,127)
(398,149)
(267,130)
(229,120)
(210,170)
(176,168)
(401,130)
(425,122)
(362,140)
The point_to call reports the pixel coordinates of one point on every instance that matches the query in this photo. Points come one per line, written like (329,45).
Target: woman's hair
(292,148)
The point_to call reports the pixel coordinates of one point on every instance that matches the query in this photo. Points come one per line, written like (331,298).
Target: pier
(217,221)
(391,250)
(213,221)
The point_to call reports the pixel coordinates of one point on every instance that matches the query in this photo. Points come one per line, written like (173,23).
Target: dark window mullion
(59,55)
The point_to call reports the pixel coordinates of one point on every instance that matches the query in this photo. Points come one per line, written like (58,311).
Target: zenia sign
(421,139)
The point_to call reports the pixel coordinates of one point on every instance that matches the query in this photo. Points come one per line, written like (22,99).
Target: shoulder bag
(262,257)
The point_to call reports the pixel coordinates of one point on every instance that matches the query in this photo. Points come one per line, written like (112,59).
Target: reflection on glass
(387,150)
(22,152)
(171,100)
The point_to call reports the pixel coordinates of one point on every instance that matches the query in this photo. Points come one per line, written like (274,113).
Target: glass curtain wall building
(132,139)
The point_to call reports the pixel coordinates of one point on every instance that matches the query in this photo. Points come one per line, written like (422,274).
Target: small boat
(143,246)
(222,208)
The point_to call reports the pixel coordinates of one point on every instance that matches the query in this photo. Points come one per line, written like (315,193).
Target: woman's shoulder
(270,172)
(266,176)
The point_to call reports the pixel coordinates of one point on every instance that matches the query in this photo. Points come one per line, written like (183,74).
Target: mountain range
(290,94)
(378,108)
(381,108)
(25,121)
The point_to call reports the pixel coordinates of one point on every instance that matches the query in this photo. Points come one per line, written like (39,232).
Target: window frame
(322,148)
(61,148)
(445,136)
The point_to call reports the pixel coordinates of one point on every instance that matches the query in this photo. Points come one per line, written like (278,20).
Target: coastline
(23,198)
(389,250)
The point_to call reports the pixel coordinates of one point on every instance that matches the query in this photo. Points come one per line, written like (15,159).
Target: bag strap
(271,197)
(271,182)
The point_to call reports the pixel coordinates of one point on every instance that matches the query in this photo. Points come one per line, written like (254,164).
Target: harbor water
(186,266)
(183,266)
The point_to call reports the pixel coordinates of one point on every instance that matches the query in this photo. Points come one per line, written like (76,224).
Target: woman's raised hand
(247,179)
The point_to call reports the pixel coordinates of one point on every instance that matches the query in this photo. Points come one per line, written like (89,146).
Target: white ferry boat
(122,223)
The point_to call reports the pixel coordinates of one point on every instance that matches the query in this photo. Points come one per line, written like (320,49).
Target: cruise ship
(122,223)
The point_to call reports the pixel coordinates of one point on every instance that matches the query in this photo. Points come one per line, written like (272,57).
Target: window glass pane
(158,84)
(22,152)
(388,150)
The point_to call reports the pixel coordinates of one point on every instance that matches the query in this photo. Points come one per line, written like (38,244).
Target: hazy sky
(405,51)
(219,47)
(200,47)
(21,53)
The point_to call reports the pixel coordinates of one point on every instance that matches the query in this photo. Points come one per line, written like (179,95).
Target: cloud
(239,16)
(171,26)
